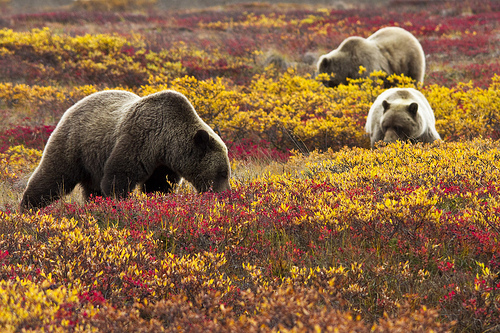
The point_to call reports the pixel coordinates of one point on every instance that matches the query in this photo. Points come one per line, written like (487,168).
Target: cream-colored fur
(392,50)
(401,114)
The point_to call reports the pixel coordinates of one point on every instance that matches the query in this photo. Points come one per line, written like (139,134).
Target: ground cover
(319,233)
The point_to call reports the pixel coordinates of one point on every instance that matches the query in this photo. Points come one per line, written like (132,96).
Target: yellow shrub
(288,110)
(24,301)
(466,112)
(18,160)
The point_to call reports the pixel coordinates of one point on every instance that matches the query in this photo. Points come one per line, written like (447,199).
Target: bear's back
(99,106)
(357,46)
(169,112)
(99,111)
(89,125)
(403,51)
(390,34)
(168,104)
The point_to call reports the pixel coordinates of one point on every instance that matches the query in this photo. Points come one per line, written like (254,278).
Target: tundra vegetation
(319,232)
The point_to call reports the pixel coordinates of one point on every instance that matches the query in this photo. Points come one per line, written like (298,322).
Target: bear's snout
(222,186)
(391,135)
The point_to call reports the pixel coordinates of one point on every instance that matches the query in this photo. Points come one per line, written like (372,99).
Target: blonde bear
(392,50)
(401,114)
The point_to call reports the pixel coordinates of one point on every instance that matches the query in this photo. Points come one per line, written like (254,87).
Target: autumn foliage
(319,233)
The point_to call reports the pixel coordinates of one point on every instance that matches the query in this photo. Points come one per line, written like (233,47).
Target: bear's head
(209,169)
(345,61)
(339,66)
(400,121)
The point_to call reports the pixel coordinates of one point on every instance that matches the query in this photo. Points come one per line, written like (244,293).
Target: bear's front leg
(118,183)
(162,180)
(122,173)
(376,136)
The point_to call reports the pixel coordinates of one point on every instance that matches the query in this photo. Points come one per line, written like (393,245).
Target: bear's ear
(324,64)
(413,108)
(386,105)
(201,139)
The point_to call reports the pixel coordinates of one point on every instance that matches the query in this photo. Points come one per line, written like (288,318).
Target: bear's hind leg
(161,180)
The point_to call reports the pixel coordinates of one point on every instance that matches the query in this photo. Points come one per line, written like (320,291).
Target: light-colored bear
(112,141)
(401,114)
(392,50)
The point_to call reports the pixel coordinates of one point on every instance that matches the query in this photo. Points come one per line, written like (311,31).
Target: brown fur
(112,141)
(392,50)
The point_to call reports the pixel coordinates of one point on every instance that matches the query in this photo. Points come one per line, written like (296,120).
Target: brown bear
(392,50)
(401,114)
(112,141)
